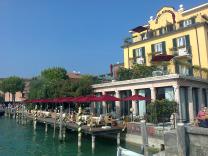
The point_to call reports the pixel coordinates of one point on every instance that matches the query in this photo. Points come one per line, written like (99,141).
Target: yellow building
(174,40)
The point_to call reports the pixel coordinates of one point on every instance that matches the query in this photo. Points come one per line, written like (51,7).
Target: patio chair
(107,120)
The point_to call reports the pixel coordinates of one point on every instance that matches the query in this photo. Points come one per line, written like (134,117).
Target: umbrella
(136,98)
(106,98)
(89,98)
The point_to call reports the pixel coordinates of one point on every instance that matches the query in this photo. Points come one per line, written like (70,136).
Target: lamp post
(132,110)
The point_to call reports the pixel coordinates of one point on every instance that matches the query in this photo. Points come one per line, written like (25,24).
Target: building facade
(176,42)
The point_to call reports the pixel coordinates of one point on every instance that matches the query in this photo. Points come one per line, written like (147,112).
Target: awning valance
(162,57)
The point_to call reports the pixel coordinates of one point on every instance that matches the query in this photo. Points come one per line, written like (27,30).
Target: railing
(181,51)
(153,33)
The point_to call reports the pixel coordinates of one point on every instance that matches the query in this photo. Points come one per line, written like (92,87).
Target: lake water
(21,140)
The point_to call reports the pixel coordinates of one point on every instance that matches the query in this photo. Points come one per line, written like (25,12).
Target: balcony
(137,60)
(181,52)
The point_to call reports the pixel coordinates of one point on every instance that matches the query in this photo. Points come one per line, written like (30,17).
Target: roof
(195,8)
(74,75)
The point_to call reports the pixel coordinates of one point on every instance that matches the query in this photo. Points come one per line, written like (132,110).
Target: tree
(54,74)
(12,85)
(160,110)
(137,71)
(54,82)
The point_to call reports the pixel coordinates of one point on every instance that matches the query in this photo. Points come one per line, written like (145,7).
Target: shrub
(160,110)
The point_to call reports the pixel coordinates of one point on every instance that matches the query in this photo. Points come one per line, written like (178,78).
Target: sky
(79,35)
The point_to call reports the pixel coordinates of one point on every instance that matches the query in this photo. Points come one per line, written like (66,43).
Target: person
(201,118)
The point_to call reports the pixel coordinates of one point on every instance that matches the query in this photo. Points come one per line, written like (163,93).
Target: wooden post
(35,118)
(79,127)
(144,137)
(46,127)
(93,143)
(64,133)
(60,123)
(181,139)
(118,139)
(54,125)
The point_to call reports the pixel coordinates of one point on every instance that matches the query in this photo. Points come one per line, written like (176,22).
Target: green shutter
(190,68)
(188,43)
(181,24)
(193,20)
(174,46)
(174,43)
(163,47)
(143,54)
(153,49)
(134,55)
(177,67)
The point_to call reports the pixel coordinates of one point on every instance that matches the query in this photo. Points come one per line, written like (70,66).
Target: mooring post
(17,114)
(60,123)
(54,125)
(14,113)
(118,139)
(35,118)
(93,143)
(64,133)
(181,140)
(79,127)
(46,127)
(144,137)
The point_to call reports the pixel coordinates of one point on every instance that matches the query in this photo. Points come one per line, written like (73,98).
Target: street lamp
(131,110)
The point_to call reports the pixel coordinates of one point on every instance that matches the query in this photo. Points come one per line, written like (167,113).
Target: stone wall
(155,134)
(196,142)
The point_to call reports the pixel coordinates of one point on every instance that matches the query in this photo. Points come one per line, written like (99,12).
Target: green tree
(54,82)
(124,74)
(137,71)
(54,74)
(84,85)
(12,85)
(160,110)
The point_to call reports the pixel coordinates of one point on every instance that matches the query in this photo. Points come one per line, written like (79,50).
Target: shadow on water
(22,140)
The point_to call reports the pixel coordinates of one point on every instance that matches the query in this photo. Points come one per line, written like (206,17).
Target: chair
(107,120)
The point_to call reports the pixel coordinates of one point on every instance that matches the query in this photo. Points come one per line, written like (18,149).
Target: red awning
(106,98)
(136,98)
(162,57)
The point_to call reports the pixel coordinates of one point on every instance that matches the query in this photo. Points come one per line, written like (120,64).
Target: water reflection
(25,140)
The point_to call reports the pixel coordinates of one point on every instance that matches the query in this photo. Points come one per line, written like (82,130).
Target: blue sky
(81,35)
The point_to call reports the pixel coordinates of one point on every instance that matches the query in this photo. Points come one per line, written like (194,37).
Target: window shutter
(134,55)
(181,24)
(153,49)
(190,68)
(164,47)
(143,54)
(177,67)
(160,31)
(188,43)
(174,45)
(193,20)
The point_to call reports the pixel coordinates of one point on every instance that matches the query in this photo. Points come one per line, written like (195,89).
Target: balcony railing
(154,33)
(183,51)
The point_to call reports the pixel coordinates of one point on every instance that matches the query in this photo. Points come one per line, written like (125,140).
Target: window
(158,47)
(181,41)
(162,31)
(187,23)
(183,70)
(139,55)
(144,36)
(165,93)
